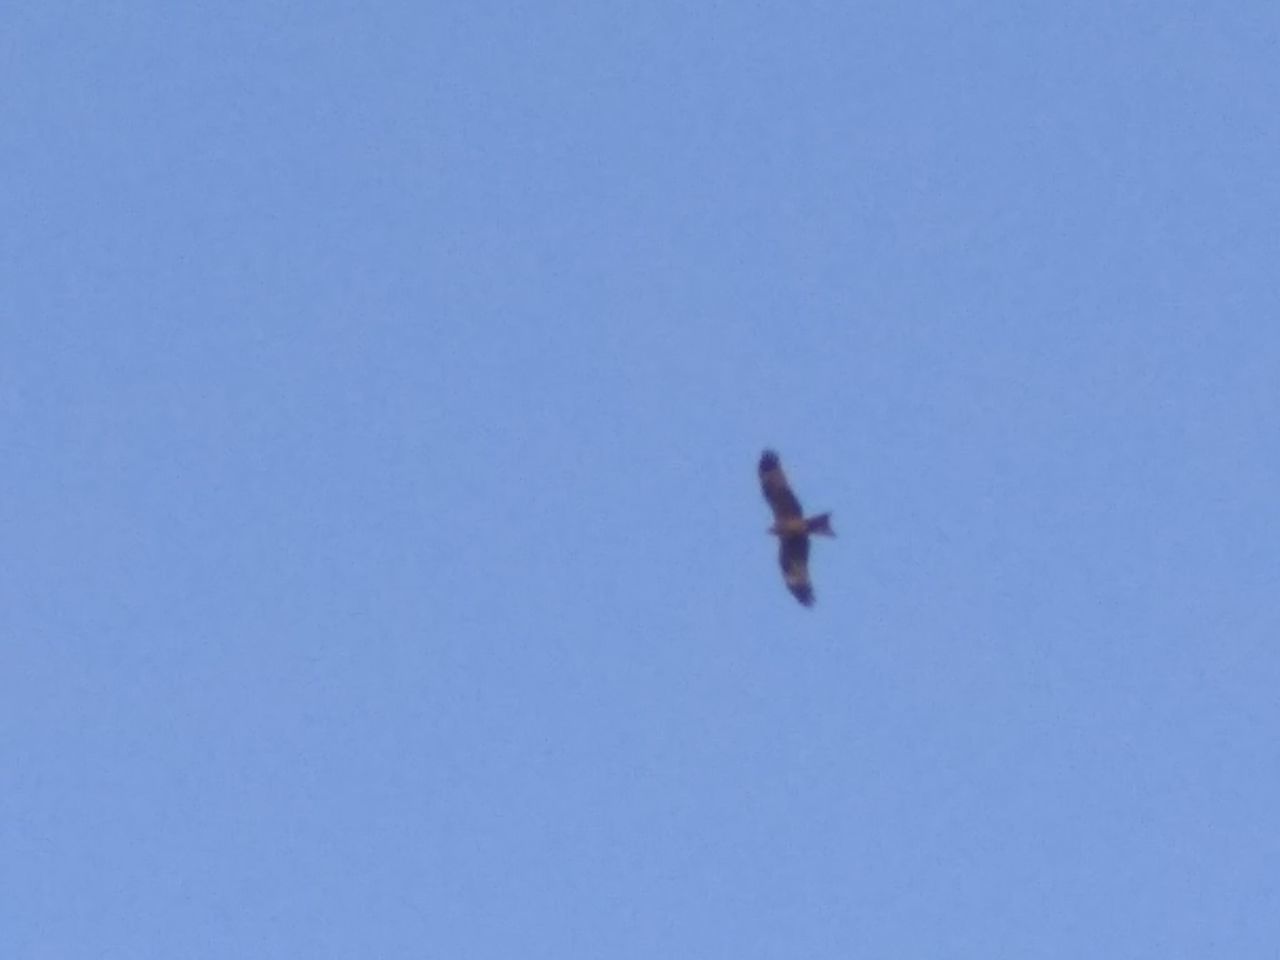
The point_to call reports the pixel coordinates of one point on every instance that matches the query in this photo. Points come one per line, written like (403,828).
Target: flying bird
(791,527)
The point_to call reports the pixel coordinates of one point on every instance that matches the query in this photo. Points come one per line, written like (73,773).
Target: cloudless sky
(384,567)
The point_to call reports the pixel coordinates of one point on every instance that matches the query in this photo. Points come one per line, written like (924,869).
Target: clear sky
(384,567)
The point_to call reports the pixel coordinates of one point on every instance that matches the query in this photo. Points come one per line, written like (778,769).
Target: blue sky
(384,564)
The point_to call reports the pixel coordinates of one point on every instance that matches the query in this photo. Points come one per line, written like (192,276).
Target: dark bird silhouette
(791,527)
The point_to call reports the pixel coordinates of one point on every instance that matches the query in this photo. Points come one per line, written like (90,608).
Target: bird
(791,527)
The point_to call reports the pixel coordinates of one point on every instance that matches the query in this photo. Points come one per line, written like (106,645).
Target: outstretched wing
(793,556)
(776,489)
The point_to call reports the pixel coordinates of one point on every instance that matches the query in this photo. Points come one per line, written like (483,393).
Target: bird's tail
(821,524)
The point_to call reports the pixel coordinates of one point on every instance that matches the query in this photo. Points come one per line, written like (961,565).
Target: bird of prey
(791,527)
